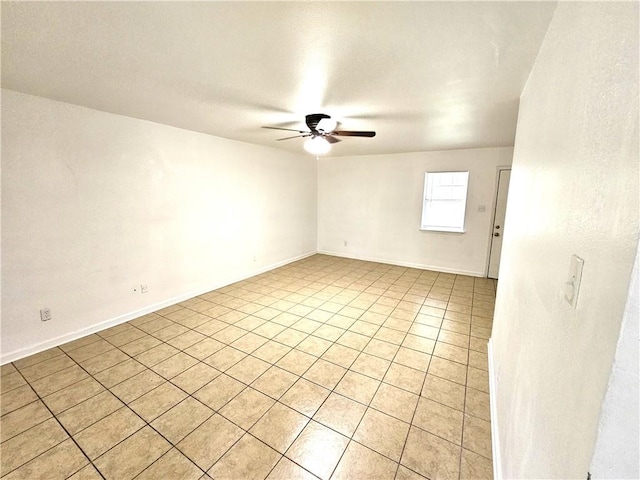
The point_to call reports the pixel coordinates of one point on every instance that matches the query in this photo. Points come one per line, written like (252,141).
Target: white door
(498,222)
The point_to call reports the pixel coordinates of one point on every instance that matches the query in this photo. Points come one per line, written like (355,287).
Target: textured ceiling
(424,75)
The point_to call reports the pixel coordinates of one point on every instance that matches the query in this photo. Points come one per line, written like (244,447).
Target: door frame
(494,204)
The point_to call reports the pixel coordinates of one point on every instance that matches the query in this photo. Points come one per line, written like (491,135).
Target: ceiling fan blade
(295,136)
(288,129)
(349,133)
(331,139)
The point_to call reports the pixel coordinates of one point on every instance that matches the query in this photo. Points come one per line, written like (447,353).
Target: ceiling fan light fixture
(317,146)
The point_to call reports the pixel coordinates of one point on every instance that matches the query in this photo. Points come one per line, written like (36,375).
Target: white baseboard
(54,342)
(495,435)
(403,264)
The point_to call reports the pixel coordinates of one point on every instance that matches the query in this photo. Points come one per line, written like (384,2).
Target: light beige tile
(248,369)
(57,381)
(269,330)
(154,403)
(329,332)
(72,395)
(156,324)
(211,327)
(413,359)
(382,433)
(325,374)
(195,377)
(431,456)
(172,465)
(421,344)
(477,436)
(219,391)
(137,386)
(475,467)
(451,352)
(186,340)
(318,449)
(272,351)
(249,342)
(381,349)
(274,382)
(225,359)
(125,336)
(104,434)
(340,413)
(290,337)
(443,391)
(287,470)
(206,444)
(133,455)
(478,345)
(89,412)
(247,407)
(371,366)
(279,427)
(477,404)
(16,398)
(478,379)
(458,325)
(449,370)
(443,421)
(248,459)
(390,335)
(341,355)
(313,345)
(296,362)
(404,377)
(396,402)
(23,419)
(305,397)
(140,345)
(182,419)
(156,354)
(174,365)
(87,473)
(52,352)
(90,351)
(360,462)
(353,340)
(7,368)
(102,362)
(357,387)
(59,462)
(43,369)
(28,445)
(204,348)
(119,373)
(405,474)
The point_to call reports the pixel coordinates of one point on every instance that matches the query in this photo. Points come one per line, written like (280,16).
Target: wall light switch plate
(572,287)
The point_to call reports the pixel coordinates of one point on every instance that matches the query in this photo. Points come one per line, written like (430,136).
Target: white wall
(616,452)
(95,203)
(375,204)
(574,190)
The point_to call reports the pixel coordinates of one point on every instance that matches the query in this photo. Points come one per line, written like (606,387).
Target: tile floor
(327,368)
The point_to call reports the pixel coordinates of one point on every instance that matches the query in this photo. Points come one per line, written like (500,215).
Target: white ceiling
(424,75)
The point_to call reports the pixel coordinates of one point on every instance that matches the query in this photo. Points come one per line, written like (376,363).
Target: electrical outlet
(45,314)
(144,288)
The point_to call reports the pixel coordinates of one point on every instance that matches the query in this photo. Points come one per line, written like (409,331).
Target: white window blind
(444,201)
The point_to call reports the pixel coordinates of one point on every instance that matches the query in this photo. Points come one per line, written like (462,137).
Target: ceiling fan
(322,133)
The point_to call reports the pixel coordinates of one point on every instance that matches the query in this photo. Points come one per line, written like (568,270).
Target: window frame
(428,199)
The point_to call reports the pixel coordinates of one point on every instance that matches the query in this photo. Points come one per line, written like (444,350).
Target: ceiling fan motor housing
(313,119)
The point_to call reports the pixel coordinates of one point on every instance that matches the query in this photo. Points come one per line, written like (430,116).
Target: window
(444,201)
